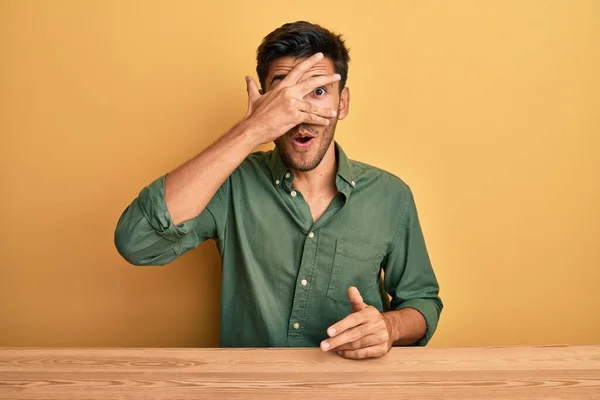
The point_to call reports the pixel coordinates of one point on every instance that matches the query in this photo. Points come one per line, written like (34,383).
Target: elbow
(139,243)
(135,248)
(138,252)
(128,248)
(125,239)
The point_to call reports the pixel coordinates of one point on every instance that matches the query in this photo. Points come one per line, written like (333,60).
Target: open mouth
(303,140)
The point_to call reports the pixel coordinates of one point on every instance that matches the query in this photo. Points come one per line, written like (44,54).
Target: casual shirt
(285,277)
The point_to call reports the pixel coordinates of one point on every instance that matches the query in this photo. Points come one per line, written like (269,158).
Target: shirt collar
(344,167)
(283,175)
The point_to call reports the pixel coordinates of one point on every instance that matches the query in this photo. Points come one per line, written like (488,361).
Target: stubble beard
(287,152)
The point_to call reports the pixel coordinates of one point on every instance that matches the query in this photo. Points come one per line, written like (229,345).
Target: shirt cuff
(153,206)
(429,311)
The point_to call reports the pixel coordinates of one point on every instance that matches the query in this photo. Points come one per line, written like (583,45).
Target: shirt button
(311,235)
(304,282)
(287,175)
(277,182)
(296,325)
(353,183)
(293,193)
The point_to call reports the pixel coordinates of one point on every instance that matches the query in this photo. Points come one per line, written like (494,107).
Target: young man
(304,233)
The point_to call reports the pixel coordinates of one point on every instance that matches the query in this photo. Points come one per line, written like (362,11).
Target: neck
(319,180)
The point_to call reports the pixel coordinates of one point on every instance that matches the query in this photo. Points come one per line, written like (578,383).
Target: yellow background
(490,110)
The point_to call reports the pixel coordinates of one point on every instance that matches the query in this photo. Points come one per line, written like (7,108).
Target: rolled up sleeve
(409,277)
(146,235)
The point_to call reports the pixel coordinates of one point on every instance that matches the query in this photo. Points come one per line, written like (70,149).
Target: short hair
(302,39)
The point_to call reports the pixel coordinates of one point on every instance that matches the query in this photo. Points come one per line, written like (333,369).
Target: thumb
(252,87)
(356,299)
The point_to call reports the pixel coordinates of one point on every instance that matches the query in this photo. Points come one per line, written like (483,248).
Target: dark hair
(302,39)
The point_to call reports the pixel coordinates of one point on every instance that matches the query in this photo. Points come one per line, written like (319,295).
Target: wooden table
(550,372)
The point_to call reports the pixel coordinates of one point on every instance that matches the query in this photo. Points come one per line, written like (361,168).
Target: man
(304,233)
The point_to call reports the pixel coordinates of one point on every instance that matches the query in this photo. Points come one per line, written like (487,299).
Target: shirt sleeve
(408,274)
(146,235)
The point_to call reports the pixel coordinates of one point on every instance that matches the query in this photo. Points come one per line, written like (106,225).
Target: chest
(319,204)
(278,244)
(275,226)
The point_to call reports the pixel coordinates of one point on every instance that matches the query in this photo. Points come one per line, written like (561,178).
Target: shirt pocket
(355,264)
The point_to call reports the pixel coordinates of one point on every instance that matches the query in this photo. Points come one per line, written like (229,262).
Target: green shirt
(284,277)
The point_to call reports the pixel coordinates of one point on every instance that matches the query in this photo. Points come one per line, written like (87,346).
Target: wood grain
(544,372)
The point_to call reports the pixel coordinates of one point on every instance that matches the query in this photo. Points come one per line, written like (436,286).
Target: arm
(187,206)
(406,326)
(191,186)
(410,280)
(415,304)
(182,209)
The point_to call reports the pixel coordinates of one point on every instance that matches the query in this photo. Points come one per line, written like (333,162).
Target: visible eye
(320,91)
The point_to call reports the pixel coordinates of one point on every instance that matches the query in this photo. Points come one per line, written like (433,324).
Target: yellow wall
(490,110)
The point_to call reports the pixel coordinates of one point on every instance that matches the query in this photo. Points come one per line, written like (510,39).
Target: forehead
(283,65)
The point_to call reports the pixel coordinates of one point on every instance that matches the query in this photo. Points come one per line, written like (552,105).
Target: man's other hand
(366,333)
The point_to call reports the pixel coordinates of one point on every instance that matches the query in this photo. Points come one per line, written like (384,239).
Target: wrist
(244,134)
(408,326)
(393,320)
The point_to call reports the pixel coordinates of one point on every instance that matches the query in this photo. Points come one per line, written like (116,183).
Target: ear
(344,107)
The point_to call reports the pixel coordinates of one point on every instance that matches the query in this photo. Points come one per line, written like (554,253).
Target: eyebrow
(282,76)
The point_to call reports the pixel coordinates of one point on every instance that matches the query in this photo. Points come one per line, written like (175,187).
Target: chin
(305,166)
(304,157)
(300,161)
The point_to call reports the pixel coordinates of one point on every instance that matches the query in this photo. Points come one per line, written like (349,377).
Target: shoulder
(255,161)
(383,181)
(255,167)
(258,157)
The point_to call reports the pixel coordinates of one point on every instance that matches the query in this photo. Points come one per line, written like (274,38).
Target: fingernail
(324,345)
(319,56)
(331,331)
(333,112)
(337,76)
